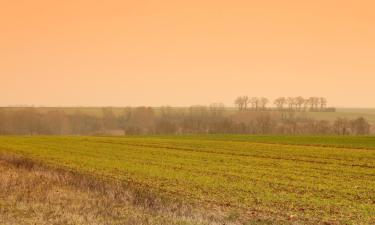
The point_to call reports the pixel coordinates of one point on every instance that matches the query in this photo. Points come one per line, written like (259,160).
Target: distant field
(353,142)
(350,113)
(253,179)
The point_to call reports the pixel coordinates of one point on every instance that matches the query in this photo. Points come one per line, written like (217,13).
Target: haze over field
(154,53)
(199,112)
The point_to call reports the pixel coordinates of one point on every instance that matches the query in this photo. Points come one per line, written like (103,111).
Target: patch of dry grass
(31,193)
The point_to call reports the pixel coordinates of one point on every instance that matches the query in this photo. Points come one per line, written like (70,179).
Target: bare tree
(263,123)
(239,103)
(263,102)
(109,118)
(311,102)
(290,102)
(254,103)
(299,101)
(341,126)
(245,100)
(316,103)
(360,126)
(306,104)
(280,102)
(217,109)
(323,103)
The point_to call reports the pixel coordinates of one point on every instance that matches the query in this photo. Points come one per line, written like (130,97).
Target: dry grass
(31,193)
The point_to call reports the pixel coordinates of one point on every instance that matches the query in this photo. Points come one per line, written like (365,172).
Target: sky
(180,53)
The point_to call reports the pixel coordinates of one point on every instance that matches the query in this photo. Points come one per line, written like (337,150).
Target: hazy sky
(157,52)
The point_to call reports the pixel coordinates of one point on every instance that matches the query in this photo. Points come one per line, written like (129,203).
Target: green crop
(312,178)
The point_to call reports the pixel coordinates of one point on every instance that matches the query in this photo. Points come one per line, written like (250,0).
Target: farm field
(349,113)
(224,179)
(359,142)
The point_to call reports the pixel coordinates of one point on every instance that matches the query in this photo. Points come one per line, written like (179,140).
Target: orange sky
(118,52)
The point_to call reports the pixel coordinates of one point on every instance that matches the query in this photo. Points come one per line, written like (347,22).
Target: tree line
(214,118)
(314,104)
